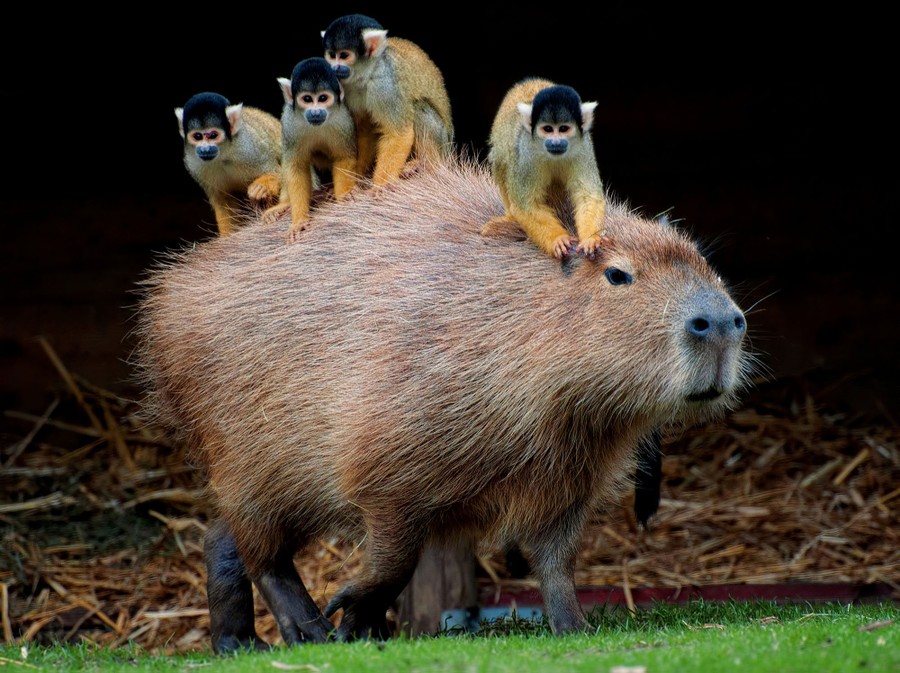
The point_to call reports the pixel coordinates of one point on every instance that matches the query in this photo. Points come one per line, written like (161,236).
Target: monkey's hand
(265,188)
(592,244)
(295,229)
(562,245)
(273,214)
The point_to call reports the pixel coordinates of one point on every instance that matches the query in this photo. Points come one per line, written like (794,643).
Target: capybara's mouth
(707,395)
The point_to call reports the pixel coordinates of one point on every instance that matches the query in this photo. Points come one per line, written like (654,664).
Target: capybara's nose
(729,327)
(716,318)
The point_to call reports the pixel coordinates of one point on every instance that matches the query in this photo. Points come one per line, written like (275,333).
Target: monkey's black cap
(314,74)
(556,104)
(206,109)
(345,32)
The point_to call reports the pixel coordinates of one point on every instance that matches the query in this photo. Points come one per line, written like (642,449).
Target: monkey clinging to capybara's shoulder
(424,382)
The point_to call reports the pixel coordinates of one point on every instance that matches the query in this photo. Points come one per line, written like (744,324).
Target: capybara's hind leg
(228,592)
(393,555)
(296,613)
(365,609)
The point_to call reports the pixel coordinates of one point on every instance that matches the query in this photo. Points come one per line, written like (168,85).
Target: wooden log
(444,580)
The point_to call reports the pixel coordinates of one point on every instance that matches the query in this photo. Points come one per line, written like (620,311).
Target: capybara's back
(395,375)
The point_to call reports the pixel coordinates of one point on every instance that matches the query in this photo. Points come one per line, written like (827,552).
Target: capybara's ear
(503,227)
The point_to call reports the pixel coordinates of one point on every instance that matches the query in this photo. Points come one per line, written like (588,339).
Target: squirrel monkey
(318,138)
(396,94)
(233,152)
(540,152)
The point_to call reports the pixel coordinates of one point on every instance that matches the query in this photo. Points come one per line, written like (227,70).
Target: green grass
(748,637)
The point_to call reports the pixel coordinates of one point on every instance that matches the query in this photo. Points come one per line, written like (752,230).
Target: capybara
(395,377)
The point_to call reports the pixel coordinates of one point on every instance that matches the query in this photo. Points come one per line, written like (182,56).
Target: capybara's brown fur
(395,376)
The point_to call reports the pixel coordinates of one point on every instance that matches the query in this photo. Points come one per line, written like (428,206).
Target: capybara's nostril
(698,326)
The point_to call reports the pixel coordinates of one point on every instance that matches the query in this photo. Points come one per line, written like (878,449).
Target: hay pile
(102,521)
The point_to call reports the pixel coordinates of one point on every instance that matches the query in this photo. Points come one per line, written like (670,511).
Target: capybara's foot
(231,643)
(301,629)
(362,617)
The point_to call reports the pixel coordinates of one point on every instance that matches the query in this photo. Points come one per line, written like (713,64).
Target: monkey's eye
(331,53)
(617,276)
(564,128)
(323,97)
(306,98)
(212,135)
(547,129)
(344,55)
(197,135)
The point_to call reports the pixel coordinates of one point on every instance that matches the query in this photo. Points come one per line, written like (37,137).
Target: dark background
(768,131)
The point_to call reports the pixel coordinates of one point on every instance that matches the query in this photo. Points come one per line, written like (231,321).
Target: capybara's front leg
(553,554)
(229,593)
(296,613)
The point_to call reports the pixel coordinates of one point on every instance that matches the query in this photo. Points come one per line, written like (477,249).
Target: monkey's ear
(587,115)
(233,113)
(525,115)
(375,41)
(323,34)
(285,85)
(340,93)
(179,113)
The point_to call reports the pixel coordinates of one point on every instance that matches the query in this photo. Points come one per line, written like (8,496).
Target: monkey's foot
(411,168)
(590,246)
(275,213)
(562,245)
(294,232)
(265,188)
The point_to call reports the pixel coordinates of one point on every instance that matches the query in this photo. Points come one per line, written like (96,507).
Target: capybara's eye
(617,276)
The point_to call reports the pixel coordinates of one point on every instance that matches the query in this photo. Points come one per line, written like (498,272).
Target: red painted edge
(646,596)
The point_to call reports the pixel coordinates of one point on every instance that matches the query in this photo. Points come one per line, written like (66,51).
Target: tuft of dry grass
(102,520)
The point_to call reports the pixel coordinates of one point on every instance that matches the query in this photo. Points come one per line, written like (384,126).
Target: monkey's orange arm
(299,191)
(544,229)
(590,212)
